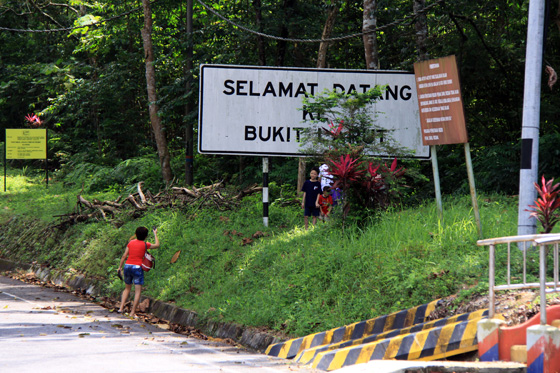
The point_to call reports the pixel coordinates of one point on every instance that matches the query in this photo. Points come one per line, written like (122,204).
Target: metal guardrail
(523,243)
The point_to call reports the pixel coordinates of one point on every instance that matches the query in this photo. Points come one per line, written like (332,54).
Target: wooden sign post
(442,117)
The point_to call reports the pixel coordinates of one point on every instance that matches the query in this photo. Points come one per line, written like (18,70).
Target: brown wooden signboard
(439,99)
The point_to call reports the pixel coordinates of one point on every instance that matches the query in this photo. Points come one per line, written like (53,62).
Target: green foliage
(123,176)
(243,171)
(89,85)
(346,143)
(29,195)
(288,279)
(90,91)
(343,124)
(496,168)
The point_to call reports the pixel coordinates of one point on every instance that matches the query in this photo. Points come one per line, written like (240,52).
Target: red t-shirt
(136,250)
(325,203)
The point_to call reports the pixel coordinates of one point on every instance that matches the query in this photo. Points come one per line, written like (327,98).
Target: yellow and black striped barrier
(308,355)
(398,320)
(435,343)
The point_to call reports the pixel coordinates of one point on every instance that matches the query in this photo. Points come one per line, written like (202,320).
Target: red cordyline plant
(346,171)
(33,120)
(377,175)
(371,187)
(334,131)
(544,209)
(376,186)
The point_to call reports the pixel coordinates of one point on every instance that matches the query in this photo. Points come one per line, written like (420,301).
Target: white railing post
(524,262)
(491,281)
(509,264)
(556,267)
(542,275)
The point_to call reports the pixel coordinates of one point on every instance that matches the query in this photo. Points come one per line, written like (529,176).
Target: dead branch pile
(139,202)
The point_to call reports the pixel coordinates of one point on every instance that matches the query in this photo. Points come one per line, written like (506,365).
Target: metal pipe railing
(540,240)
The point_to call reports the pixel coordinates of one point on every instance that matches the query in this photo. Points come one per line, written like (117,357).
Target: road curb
(245,336)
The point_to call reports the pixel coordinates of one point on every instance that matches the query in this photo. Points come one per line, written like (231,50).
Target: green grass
(291,280)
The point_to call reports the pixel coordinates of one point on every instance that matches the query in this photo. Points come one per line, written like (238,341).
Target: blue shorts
(311,211)
(133,274)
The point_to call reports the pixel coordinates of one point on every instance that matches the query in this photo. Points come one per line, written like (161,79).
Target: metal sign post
(4,156)
(473,189)
(437,185)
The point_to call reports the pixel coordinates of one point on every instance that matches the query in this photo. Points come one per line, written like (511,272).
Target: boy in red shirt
(325,202)
(133,273)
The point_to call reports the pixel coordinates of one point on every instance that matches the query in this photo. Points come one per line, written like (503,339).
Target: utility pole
(531,116)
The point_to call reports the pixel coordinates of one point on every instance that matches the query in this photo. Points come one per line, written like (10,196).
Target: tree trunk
(260,40)
(556,18)
(189,132)
(369,23)
(327,29)
(288,10)
(421,30)
(159,133)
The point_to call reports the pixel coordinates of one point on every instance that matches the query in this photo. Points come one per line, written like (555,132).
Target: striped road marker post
(543,349)
(488,335)
(265,191)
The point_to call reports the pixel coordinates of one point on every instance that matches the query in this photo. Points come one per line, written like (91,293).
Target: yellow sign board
(26,144)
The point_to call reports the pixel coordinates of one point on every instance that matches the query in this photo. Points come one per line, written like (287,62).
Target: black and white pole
(265,191)
(5,175)
(47,156)
(531,116)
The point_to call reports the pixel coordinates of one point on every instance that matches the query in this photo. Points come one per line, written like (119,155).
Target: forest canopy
(84,69)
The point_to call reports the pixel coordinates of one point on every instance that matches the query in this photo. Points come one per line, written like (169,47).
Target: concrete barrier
(398,320)
(307,356)
(432,344)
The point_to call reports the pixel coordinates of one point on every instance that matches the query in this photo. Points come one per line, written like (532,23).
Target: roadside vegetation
(287,279)
(119,101)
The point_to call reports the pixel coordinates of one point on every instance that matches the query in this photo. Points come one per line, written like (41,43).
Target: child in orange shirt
(325,202)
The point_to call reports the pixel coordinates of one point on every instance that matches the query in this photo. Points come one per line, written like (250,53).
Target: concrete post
(543,349)
(488,335)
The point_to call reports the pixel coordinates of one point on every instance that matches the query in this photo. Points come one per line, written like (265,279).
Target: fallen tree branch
(249,190)
(141,200)
(131,199)
(142,196)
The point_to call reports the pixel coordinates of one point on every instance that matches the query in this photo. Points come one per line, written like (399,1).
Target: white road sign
(249,110)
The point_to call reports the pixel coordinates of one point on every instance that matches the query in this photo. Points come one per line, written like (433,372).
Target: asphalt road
(44,330)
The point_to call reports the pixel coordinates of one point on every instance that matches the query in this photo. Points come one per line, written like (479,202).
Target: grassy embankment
(291,280)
